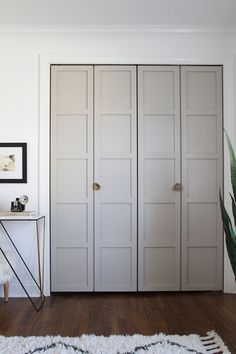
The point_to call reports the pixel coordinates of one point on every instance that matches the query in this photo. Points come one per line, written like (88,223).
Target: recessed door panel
(71,134)
(159,267)
(116,271)
(159,179)
(69,259)
(113,130)
(159,222)
(159,134)
(68,173)
(201,88)
(116,179)
(119,227)
(116,173)
(159,170)
(201,178)
(72,85)
(202,222)
(202,274)
(158,88)
(114,97)
(75,216)
(201,128)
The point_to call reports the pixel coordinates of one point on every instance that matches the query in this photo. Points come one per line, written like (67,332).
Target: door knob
(178,187)
(96,186)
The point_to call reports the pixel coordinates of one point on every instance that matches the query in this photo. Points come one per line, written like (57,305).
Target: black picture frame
(19,151)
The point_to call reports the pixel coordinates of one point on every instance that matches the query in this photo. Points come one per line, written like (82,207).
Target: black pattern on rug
(135,350)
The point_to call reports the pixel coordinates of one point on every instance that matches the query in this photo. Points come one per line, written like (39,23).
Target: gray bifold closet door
(180,230)
(93,140)
(100,240)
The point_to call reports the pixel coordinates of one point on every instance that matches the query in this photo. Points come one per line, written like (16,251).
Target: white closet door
(202,236)
(158,171)
(116,173)
(71,178)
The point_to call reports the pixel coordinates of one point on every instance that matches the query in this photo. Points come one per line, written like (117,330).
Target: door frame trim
(109,58)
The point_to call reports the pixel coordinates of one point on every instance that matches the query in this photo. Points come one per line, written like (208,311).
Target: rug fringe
(214,344)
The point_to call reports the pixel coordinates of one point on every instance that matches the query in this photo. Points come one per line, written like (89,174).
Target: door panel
(115,176)
(159,170)
(71,174)
(159,268)
(158,134)
(158,90)
(116,172)
(202,237)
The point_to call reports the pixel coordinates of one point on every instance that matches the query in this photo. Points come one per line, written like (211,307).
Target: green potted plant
(227,224)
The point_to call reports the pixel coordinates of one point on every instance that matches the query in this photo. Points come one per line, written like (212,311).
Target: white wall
(122,12)
(24,95)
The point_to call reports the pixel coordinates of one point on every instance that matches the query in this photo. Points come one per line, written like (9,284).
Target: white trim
(44,167)
(229,125)
(119,29)
(124,58)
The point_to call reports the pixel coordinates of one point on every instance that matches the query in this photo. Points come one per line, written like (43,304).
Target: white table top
(21,217)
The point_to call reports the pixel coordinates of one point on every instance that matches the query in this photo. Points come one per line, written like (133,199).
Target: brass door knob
(96,186)
(178,187)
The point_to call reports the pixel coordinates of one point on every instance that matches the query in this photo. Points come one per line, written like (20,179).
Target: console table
(40,283)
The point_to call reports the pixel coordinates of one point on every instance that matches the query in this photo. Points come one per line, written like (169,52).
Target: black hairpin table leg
(39,284)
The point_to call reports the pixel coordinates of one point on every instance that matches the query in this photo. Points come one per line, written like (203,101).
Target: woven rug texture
(116,344)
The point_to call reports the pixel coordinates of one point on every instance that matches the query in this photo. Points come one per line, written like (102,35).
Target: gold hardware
(178,187)
(96,186)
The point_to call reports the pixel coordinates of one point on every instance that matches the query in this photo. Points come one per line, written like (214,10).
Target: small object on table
(19,204)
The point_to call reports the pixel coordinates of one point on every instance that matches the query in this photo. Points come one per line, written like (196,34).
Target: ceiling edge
(115,29)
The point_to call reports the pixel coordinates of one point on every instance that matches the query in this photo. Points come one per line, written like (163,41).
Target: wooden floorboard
(123,313)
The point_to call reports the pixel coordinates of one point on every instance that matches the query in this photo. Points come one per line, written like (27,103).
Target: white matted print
(13,163)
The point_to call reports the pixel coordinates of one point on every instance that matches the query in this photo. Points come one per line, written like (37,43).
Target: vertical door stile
(202,236)
(158,171)
(116,173)
(72,178)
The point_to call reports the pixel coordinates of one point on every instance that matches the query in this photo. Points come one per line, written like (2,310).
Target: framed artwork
(13,163)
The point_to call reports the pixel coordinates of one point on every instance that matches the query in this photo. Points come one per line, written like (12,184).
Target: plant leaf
(233,208)
(232,164)
(230,235)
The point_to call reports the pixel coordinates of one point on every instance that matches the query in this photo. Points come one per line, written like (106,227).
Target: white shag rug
(136,344)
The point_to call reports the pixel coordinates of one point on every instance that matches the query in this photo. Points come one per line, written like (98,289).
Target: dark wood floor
(122,313)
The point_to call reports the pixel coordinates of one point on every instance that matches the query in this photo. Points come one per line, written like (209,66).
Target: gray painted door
(202,237)
(116,172)
(158,171)
(94,233)
(72,178)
